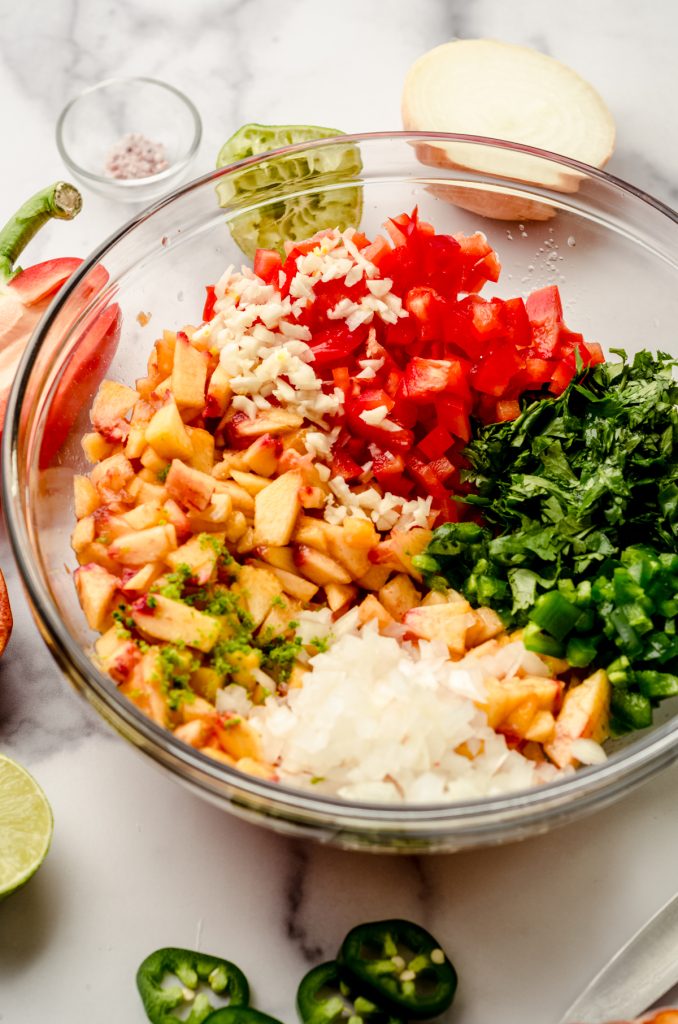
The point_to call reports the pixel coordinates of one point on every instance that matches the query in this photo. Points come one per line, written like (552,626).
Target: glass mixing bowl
(613,251)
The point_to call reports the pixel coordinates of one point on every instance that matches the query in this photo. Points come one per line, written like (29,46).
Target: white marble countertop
(136,861)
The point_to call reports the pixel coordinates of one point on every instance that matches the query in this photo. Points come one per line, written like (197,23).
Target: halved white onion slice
(503,91)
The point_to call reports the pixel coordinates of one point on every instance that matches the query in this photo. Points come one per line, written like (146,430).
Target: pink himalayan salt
(135,156)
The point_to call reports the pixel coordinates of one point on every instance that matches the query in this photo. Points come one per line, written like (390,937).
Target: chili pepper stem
(59,200)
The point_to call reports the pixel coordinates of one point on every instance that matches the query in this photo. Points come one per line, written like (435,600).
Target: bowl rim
(129,184)
(648,754)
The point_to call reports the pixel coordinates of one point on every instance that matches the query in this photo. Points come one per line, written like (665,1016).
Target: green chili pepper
(239,1015)
(400,966)
(323,997)
(191,968)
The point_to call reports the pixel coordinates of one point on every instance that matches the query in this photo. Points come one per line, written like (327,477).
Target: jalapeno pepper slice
(239,1015)
(323,997)
(400,966)
(191,968)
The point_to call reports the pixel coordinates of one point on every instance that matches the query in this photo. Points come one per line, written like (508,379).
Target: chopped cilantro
(278,602)
(321,643)
(151,602)
(162,474)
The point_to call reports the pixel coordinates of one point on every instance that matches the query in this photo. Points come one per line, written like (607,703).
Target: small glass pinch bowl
(96,121)
(613,251)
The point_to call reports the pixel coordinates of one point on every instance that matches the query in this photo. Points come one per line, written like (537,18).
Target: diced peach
(111,476)
(189,374)
(95,587)
(85,497)
(83,534)
(178,518)
(218,392)
(110,407)
(282,558)
(399,595)
(446,622)
(203,449)
(375,577)
(486,625)
(195,733)
(199,555)
(276,510)
(145,577)
(295,586)
(360,533)
(236,527)
(237,737)
(262,456)
(148,513)
(167,434)
(317,567)
(229,461)
(153,462)
(275,421)
(281,614)
(257,589)
(339,594)
(504,696)
(313,532)
(541,728)
(372,608)
(189,487)
(144,687)
(117,655)
(240,499)
(152,545)
(246,542)
(585,714)
(403,545)
(96,447)
(312,497)
(250,482)
(348,545)
(98,554)
(164,619)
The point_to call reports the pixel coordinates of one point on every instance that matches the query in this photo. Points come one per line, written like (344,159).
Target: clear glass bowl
(96,120)
(613,250)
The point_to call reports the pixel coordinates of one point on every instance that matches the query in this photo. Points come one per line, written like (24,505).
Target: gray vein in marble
(295,898)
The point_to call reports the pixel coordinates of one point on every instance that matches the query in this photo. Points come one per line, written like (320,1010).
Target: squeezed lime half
(321,198)
(26,825)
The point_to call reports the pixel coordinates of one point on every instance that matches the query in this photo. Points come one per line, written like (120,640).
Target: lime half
(296,194)
(25,826)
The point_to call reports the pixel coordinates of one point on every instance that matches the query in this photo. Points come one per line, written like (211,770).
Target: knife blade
(644,969)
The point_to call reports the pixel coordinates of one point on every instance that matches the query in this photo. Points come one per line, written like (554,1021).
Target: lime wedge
(313,175)
(25,826)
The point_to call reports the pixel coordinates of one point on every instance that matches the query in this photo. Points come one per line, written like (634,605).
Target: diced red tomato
(343,465)
(333,346)
(493,375)
(562,375)
(545,312)
(267,263)
(436,443)
(454,358)
(453,417)
(595,353)
(210,300)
